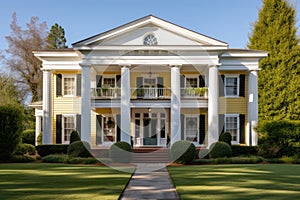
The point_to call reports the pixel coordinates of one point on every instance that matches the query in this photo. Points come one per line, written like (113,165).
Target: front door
(149,129)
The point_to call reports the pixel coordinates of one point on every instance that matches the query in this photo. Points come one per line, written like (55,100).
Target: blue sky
(226,20)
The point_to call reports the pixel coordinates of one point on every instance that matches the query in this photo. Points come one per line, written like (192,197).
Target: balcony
(150,93)
(106,93)
(190,92)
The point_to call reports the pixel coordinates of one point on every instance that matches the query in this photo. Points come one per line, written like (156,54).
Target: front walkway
(150,184)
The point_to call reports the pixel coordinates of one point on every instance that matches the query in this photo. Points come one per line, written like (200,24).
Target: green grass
(60,181)
(269,181)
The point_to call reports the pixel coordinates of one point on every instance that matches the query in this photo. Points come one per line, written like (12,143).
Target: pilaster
(47,107)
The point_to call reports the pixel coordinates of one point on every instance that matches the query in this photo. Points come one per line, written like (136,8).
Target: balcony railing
(149,93)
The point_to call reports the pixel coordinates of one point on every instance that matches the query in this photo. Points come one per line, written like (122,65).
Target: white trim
(185,127)
(63,84)
(63,126)
(238,85)
(237,141)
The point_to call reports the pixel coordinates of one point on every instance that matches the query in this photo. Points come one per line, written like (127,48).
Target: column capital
(176,66)
(125,65)
(85,65)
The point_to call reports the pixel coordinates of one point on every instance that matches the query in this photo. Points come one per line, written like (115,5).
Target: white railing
(194,92)
(105,92)
(150,93)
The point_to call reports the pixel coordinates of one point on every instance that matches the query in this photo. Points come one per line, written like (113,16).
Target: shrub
(28,137)
(121,152)
(183,152)
(225,137)
(74,137)
(55,158)
(23,149)
(21,159)
(79,149)
(244,150)
(232,160)
(203,153)
(40,139)
(78,160)
(220,150)
(44,150)
(10,130)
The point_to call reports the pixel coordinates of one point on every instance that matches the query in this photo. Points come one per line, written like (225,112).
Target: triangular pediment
(133,33)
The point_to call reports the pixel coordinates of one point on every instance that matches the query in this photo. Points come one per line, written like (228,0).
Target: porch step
(151,155)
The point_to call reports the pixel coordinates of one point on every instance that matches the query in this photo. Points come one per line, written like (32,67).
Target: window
(192,82)
(231,85)
(68,127)
(69,85)
(109,129)
(191,124)
(109,82)
(150,40)
(232,126)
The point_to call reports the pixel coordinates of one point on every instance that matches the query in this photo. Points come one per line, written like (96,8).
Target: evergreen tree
(56,38)
(279,81)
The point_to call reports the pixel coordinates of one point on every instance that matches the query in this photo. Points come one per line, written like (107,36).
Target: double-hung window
(68,126)
(191,82)
(231,85)
(232,126)
(69,85)
(191,126)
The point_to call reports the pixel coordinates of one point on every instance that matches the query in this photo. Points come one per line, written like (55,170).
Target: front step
(151,155)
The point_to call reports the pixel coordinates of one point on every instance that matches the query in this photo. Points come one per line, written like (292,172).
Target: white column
(86,103)
(213,101)
(38,127)
(125,104)
(47,107)
(252,107)
(175,104)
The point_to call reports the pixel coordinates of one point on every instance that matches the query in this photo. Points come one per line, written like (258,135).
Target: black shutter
(221,86)
(201,129)
(160,85)
(242,129)
(221,124)
(118,79)
(58,85)
(242,85)
(58,129)
(182,81)
(78,85)
(98,129)
(201,81)
(98,81)
(139,85)
(118,128)
(182,126)
(78,124)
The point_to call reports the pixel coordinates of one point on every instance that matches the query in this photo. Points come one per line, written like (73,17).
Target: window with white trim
(191,82)
(69,85)
(232,123)
(231,84)
(69,124)
(109,82)
(191,128)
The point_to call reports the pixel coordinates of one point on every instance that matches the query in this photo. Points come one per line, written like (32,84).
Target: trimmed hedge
(47,149)
(121,152)
(183,152)
(23,149)
(79,149)
(55,158)
(220,150)
(74,137)
(225,137)
(21,159)
(28,137)
(63,158)
(244,150)
(232,160)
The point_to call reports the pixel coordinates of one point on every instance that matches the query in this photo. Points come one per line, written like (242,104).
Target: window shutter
(118,79)
(78,124)
(182,126)
(58,85)
(201,81)
(139,85)
(78,85)
(242,85)
(242,129)
(221,124)
(221,86)
(118,128)
(98,129)
(201,129)
(58,129)
(182,81)
(160,84)
(98,81)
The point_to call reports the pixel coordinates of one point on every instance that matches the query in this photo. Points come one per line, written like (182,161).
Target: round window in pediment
(150,40)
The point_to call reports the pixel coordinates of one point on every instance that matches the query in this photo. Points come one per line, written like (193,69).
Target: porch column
(213,100)
(86,103)
(125,104)
(252,107)
(38,127)
(47,107)
(175,104)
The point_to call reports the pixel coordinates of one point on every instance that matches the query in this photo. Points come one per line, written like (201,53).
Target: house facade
(149,83)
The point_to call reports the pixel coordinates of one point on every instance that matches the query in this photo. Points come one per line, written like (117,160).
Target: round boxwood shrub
(225,137)
(183,152)
(79,149)
(28,137)
(120,152)
(220,150)
(74,137)
(23,149)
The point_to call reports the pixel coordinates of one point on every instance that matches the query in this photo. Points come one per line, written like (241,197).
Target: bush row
(232,160)
(63,158)
(44,150)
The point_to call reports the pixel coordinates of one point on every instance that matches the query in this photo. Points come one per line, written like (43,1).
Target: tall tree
(56,38)
(20,59)
(279,82)
(10,92)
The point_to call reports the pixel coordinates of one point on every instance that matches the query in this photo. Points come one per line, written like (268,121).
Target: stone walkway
(150,181)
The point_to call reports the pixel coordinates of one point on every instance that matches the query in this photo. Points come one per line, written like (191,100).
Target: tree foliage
(279,82)
(20,59)
(56,38)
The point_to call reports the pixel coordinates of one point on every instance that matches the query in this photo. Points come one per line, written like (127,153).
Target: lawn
(262,181)
(60,181)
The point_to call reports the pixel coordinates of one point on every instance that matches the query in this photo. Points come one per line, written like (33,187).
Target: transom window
(69,126)
(232,126)
(69,85)
(192,82)
(231,85)
(150,40)
(109,82)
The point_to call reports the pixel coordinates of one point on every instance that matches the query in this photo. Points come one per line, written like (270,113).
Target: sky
(226,20)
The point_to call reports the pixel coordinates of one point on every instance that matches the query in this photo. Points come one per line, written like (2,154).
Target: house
(150,83)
